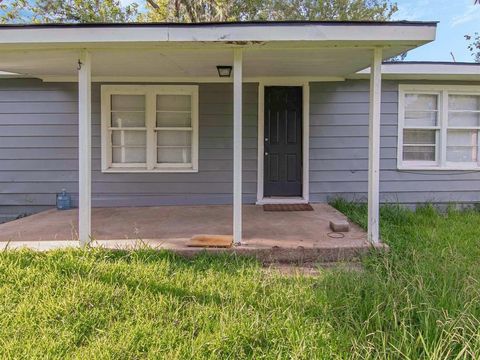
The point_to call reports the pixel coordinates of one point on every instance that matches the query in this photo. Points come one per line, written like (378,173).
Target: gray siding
(39,151)
(339,151)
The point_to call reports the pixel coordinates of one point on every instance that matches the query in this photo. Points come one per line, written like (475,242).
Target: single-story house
(232,113)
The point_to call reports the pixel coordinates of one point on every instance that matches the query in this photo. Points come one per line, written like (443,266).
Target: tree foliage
(245,10)
(474,42)
(188,10)
(474,45)
(81,11)
(69,11)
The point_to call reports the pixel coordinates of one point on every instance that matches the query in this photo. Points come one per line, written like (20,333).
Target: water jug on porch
(64,200)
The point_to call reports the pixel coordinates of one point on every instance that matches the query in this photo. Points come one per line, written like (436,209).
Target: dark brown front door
(283,141)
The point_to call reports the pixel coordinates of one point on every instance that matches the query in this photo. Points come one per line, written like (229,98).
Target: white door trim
(305,142)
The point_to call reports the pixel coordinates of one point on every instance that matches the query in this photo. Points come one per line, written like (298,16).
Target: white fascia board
(236,34)
(426,71)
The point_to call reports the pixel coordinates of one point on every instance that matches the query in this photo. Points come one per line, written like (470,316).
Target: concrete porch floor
(302,236)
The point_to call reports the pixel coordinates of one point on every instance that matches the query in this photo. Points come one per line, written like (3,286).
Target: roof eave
(425,70)
(234,34)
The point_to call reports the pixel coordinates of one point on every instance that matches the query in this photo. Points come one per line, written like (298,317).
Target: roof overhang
(329,50)
(448,71)
(247,32)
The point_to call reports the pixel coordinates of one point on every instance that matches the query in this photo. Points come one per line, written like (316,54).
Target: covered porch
(271,236)
(263,53)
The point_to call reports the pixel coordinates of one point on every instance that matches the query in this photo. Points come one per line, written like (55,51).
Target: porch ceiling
(154,52)
(187,63)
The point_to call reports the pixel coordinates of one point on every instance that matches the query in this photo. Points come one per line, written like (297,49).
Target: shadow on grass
(155,288)
(223,262)
(114,268)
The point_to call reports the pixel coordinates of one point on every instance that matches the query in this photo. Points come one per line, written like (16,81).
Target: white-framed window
(149,128)
(438,127)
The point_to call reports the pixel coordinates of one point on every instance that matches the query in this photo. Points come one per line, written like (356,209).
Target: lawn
(421,300)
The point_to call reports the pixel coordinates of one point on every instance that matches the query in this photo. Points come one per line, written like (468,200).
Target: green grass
(421,300)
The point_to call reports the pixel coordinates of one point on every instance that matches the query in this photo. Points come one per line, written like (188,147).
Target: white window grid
(150,92)
(441,130)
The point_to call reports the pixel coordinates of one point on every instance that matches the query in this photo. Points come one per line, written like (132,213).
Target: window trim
(441,147)
(150,92)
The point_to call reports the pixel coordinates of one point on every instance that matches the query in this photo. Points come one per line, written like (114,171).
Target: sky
(456,18)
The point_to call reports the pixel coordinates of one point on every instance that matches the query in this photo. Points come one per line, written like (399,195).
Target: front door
(283,141)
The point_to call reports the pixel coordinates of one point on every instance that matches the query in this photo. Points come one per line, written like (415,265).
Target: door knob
(266,153)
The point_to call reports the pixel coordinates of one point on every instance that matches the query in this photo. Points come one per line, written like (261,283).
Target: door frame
(305,142)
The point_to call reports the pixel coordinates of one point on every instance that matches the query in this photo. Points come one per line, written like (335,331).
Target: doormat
(287,207)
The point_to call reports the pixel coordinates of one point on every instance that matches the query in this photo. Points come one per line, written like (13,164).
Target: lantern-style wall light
(224,70)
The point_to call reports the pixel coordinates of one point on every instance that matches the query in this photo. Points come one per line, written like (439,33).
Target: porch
(270,236)
(263,53)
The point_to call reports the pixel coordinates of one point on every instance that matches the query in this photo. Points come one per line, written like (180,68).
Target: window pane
(420,118)
(174,119)
(411,136)
(464,102)
(174,155)
(173,102)
(128,119)
(129,137)
(128,155)
(421,102)
(174,138)
(463,119)
(464,110)
(174,147)
(117,155)
(462,145)
(419,153)
(128,102)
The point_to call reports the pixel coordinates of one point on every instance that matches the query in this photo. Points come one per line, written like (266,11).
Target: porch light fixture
(224,70)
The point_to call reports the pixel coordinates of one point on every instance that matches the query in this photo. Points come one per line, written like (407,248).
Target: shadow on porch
(302,236)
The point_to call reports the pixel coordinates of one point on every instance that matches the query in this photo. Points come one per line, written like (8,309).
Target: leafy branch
(474,42)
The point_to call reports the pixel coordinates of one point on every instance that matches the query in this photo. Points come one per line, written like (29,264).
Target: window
(149,128)
(463,127)
(439,127)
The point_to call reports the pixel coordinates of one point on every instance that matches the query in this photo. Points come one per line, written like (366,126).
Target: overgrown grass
(421,300)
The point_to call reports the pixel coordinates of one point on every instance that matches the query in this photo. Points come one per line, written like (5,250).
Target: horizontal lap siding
(39,151)
(38,144)
(213,183)
(339,151)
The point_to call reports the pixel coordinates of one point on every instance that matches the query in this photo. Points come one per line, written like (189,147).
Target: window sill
(150,171)
(438,168)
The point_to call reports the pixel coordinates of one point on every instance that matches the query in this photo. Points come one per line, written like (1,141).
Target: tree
(474,45)
(238,10)
(69,11)
(188,11)
(79,11)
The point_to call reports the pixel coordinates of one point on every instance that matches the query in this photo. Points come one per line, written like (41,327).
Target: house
(232,113)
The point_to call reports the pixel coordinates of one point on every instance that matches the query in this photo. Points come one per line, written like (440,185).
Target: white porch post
(374,146)
(237,146)
(84,148)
